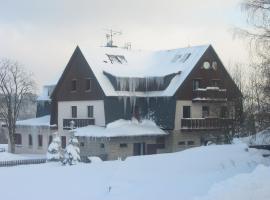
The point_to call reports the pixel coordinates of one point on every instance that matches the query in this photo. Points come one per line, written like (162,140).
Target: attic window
(206,65)
(214,65)
(117,59)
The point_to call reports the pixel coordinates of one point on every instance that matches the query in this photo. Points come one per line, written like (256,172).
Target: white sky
(43,34)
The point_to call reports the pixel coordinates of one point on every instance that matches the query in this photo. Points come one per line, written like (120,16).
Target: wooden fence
(11,163)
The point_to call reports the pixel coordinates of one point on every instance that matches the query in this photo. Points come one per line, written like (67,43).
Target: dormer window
(74,85)
(117,59)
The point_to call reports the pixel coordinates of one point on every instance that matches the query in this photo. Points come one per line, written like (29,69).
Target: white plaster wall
(34,148)
(64,111)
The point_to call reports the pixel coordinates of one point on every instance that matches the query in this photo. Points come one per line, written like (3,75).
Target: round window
(206,65)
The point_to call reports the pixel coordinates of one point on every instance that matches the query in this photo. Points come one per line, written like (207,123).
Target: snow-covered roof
(135,63)
(40,121)
(121,128)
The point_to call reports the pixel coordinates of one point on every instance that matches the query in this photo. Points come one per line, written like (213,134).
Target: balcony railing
(214,94)
(205,123)
(78,122)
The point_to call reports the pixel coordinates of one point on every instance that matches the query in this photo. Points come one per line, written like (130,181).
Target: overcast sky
(43,34)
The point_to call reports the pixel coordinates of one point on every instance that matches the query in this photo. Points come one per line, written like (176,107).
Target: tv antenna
(109,36)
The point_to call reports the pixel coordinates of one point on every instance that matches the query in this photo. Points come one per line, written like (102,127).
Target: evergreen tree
(72,152)
(54,150)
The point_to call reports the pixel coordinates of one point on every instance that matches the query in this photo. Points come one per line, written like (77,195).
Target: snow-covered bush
(72,152)
(54,150)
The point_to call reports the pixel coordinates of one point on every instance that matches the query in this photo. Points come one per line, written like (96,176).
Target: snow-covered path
(188,175)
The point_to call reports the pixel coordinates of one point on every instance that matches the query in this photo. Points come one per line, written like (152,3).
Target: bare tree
(257,92)
(16,85)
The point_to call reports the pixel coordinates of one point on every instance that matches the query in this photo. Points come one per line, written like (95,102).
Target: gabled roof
(138,64)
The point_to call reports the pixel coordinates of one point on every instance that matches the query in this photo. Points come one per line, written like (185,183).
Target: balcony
(209,94)
(78,123)
(205,123)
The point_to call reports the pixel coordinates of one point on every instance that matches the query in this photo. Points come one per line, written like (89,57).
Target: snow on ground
(191,174)
(261,138)
(5,156)
(253,185)
(120,128)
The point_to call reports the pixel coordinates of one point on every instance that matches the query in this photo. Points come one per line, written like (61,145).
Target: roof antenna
(109,36)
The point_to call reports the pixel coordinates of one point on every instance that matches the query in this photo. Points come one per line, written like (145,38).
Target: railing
(209,94)
(78,122)
(11,163)
(205,123)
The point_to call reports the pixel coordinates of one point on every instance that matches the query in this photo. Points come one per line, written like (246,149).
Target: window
(40,140)
(181,143)
(18,138)
(90,111)
(196,84)
(186,111)
(122,59)
(74,111)
(123,145)
(50,139)
(223,112)
(88,84)
(102,145)
(215,83)
(63,142)
(214,65)
(190,143)
(82,144)
(160,142)
(206,65)
(30,140)
(117,59)
(205,111)
(73,85)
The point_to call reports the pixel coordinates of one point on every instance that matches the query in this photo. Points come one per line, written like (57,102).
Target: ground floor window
(102,145)
(181,143)
(40,140)
(123,145)
(63,142)
(30,140)
(160,142)
(190,143)
(18,138)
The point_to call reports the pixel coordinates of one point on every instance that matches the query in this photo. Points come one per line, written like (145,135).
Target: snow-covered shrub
(54,150)
(72,152)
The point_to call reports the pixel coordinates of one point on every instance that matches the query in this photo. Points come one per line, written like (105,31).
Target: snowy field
(222,172)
